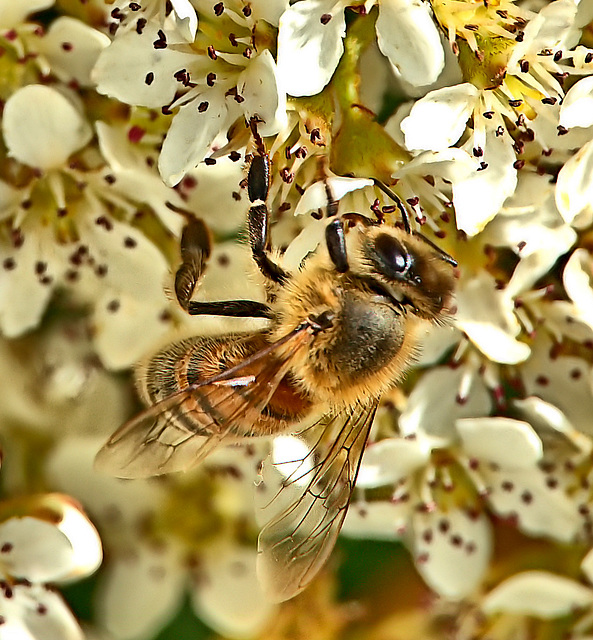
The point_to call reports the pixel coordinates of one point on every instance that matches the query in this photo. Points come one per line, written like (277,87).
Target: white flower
(526,94)
(310,42)
(223,76)
(428,507)
(169,536)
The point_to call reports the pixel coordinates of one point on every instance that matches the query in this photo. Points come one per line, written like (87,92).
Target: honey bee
(342,331)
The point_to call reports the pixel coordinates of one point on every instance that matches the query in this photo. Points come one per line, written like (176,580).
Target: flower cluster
(473,120)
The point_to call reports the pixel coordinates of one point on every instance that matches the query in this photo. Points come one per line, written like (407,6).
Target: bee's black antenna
(404,212)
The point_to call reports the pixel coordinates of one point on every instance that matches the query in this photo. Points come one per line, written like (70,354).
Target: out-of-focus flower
(63,227)
(166,537)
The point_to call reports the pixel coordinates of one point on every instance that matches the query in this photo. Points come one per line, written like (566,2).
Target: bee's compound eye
(392,257)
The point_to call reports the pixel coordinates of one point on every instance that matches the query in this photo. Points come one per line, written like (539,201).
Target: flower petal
(502,441)
(380,520)
(390,460)
(186,19)
(35,612)
(14,13)
(486,316)
(230,599)
(140,592)
(574,186)
(577,107)
(72,48)
(315,196)
(308,49)
(261,86)
(409,38)
(130,69)
(438,120)
(537,593)
(452,550)
(34,549)
(577,280)
(481,195)
(23,297)
(436,403)
(55,128)
(190,135)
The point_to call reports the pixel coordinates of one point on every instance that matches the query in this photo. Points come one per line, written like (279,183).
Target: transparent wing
(310,505)
(178,432)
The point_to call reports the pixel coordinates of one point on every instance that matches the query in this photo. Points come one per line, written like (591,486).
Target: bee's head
(413,270)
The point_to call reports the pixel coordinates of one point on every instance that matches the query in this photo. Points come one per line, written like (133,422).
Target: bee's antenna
(404,212)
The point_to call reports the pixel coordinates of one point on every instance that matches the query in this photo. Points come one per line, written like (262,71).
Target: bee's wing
(179,431)
(311,504)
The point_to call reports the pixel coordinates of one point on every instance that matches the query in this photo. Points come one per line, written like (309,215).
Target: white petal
(452,551)
(435,404)
(34,612)
(563,381)
(190,135)
(309,51)
(231,600)
(72,49)
(587,566)
(34,549)
(315,196)
(503,441)
(187,19)
(577,107)
(380,520)
(70,467)
(537,593)
(87,552)
(439,118)
(261,86)
(390,460)
(22,296)
(269,10)
(545,417)
(435,343)
(123,336)
(548,29)
(57,545)
(574,187)
(538,507)
(480,197)
(409,38)
(486,316)
(134,178)
(140,592)
(14,13)
(130,69)
(450,164)
(214,198)
(55,128)
(577,281)
(307,241)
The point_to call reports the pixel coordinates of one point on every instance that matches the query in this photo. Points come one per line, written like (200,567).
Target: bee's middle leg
(195,251)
